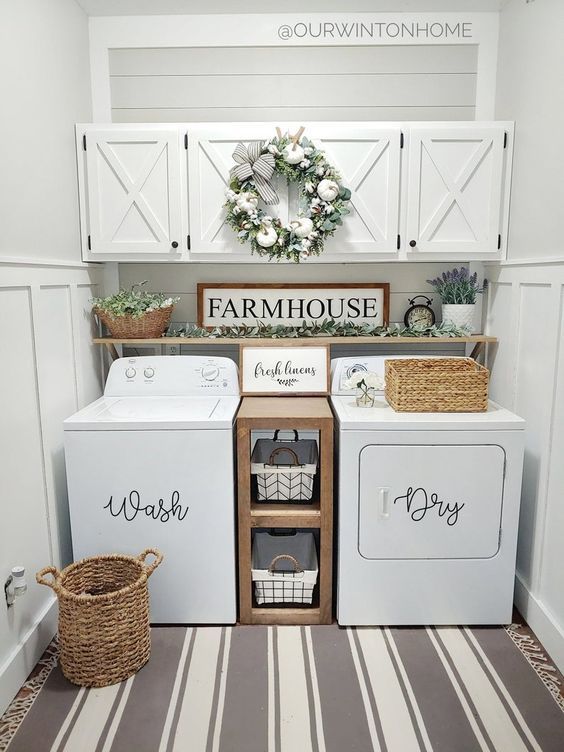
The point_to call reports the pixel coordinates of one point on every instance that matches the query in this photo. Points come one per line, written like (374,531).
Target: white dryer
(151,465)
(428,510)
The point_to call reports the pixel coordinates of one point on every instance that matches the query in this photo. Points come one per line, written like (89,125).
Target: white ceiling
(178,7)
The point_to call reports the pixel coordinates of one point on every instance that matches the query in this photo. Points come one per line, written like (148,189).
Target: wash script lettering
(131,506)
(418,502)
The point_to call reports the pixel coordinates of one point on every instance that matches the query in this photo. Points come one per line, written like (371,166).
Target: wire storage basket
(104,631)
(285,470)
(284,567)
(437,385)
(148,326)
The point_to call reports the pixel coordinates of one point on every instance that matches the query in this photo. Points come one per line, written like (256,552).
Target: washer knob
(210,373)
(149,373)
(130,373)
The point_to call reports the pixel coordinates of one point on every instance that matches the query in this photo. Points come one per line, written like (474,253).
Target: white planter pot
(461,316)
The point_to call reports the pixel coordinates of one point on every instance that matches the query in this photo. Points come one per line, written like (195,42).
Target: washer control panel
(165,375)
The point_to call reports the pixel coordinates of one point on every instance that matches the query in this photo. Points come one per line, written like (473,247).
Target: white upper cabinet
(131,196)
(455,190)
(367,157)
(420,191)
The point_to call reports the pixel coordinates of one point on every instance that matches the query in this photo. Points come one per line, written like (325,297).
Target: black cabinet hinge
(84,141)
(185,140)
(188,241)
(401,140)
(498,242)
(398,244)
(89,244)
(505,140)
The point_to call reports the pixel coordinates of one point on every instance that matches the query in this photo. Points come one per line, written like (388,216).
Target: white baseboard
(541,621)
(20,663)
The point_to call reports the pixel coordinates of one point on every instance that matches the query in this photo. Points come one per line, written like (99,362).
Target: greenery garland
(327,328)
(322,203)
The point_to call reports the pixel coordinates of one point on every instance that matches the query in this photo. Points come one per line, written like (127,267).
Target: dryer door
(430,502)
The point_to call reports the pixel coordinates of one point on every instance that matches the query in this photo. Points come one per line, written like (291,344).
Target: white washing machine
(151,465)
(428,510)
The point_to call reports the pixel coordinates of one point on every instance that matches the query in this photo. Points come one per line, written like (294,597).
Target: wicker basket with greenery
(135,313)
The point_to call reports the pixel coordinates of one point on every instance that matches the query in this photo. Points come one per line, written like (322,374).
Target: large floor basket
(284,567)
(285,470)
(104,632)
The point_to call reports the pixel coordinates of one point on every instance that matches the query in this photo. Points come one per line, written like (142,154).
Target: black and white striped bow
(251,164)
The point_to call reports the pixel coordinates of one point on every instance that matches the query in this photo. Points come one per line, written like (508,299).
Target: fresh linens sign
(226,304)
(291,369)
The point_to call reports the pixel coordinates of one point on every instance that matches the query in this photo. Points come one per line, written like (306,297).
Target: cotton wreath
(322,199)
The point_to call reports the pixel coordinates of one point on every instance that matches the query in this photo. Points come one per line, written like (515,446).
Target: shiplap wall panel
(307,83)
(327,90)
(285,114)
(525,309)
(186,61)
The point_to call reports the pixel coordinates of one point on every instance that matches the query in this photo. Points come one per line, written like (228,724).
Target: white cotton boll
(309,187)
(308,151)
(328,208)
(304,164)
(273,149)
(304,255)
(236,210)
(315,201)
(230,195)
(306,243)
(320,171)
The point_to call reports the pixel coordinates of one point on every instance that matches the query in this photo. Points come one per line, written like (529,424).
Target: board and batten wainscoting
(525,309)
(50,369)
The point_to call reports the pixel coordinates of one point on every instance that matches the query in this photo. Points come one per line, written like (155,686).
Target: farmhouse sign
(226,304)
(289,369)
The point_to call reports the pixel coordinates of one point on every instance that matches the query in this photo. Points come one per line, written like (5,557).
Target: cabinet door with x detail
(133,193)
(456,190)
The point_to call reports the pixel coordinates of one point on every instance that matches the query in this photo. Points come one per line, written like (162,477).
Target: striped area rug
(308,689)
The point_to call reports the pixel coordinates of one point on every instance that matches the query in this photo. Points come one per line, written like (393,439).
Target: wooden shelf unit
(301,413)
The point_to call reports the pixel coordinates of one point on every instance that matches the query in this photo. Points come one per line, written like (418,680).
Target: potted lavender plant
(458,290)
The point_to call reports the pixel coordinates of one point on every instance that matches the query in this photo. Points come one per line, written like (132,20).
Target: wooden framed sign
(282,370)
(290,304)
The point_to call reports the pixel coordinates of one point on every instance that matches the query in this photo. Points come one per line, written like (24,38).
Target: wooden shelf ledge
(288,341)
(279,515)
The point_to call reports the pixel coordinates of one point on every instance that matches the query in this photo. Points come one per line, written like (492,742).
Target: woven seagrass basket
(147,326)
(437,385)
(104,632)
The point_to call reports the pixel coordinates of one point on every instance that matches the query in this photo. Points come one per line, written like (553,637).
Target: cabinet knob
(174,244)
(413,243)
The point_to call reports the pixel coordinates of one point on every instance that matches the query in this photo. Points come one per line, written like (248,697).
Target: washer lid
(152,413)
(382,417)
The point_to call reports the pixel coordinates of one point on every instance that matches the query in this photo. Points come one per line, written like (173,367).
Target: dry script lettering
(418,502)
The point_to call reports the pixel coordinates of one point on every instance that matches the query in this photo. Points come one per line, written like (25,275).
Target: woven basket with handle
(437,385)
(147,326)
(104,632)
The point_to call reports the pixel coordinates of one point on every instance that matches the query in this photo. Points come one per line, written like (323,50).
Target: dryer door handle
(384,503)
